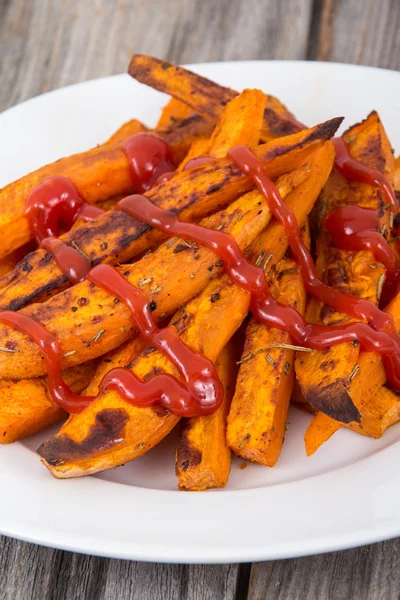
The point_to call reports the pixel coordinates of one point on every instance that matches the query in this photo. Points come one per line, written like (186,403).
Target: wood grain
(362,32)
(368,573)
(47,44)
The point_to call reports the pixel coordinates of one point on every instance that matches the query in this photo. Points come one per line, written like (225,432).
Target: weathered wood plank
(29,571)
(365,33)
(47,44)
(365,573)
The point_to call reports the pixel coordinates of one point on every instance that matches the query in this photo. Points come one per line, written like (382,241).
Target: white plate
(345,495)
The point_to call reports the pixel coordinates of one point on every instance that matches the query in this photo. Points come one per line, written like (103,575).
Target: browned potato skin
(97,174)
(204,96)
(203,457)
(115,237)
(324,377)
(26,406)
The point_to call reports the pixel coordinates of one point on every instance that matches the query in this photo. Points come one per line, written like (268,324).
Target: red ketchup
(150,157)
(196,162)
(74,265)
(352,169)
(54,205)
(353,228)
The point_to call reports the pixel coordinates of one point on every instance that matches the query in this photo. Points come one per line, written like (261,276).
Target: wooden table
(47,44)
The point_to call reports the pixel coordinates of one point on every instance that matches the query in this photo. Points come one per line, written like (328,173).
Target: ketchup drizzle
(150,157)
(52,353)
(54,205)
(72,262)
(202,392)
(352,169)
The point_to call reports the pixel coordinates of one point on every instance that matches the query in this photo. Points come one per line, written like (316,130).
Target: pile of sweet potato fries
(260,369)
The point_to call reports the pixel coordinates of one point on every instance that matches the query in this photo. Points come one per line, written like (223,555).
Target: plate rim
(316,546)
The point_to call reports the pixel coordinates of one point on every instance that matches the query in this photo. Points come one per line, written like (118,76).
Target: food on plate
(206,272)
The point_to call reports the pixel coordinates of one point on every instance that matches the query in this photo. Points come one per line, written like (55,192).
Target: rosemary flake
(286,369)
(354,372)
(245,439)
(157,289)
(287,272)
(5,349)
(260,258)
(342,271)
(372,266)
(143,282)
(98,335)
(351,139)
(269,359)
(219,228)
(391,220)
(139,446)
(124,330)
(75,245)
(379,288)
(70,353)
(171,242)
(267,260)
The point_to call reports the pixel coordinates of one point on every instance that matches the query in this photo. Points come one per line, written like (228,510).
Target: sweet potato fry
(146,422)
(257,419)
(26,406)
(204,96)
(213,325)
(115,237)
(126,130)
(173,274)
(110,431)
(203,458)
(97,174)
(240,123)
(378,413)
(368,379)
(172,112)
(326,377)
